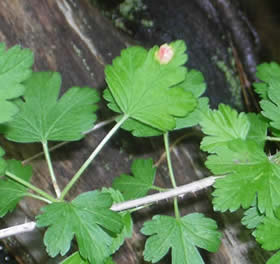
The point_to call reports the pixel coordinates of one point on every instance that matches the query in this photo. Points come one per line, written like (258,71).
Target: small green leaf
(126,218)
(87,218)
(268,232)
(140,183)
(252,218)
(3,164)
(75,258)
(249,173)
(15,66)
(140,86)
(182,236)
(43,117)
(221,126)
(11,191)
(275,259)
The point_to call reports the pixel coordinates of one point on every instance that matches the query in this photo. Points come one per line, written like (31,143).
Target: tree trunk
(72,37)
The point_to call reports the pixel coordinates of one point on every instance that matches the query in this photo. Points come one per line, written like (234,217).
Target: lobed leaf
(140,183)
(88,217)
(44,117)
(140,86)
(182,236)
(15,64)
(252,218)
(222,126)
(11,191)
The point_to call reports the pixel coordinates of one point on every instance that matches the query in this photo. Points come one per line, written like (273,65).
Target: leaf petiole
(30,186)
(52,174)
(92,156)
(160,189)
(273,138)
(171,173)
(38,197)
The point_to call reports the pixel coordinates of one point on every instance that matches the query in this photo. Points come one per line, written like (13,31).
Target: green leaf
(75,258)
(140,86)
(182,236)
(11,191)
(126,232)
(249,173)
(252,218)
(87,218)
(269,74)
(268,232)
(275,259)
(222,126)
(258,129)
(15,66)
(3,164)
(44,117)
(140,183)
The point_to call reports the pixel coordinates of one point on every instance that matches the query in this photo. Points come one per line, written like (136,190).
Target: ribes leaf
(182,236)
(141,87)
(76,258)
(11,191)
(249,172)
(85,217)
(140,183)
(126,232)
(267,233)
(44,117)
(3,164)
(252,218)
(275,259)
(221,126)
(15,66)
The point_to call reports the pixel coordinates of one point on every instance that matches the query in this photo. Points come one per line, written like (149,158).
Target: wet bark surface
(73,37)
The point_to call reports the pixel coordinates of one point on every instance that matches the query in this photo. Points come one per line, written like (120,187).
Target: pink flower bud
(165,54)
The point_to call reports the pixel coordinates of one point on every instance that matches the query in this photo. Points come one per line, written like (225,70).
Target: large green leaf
(15,66)
(141,87)
(87,217)
(3,164)
(10,191)
(44,117)
(182,236)
(249,172)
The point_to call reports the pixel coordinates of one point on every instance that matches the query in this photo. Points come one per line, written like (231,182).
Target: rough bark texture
(72,37)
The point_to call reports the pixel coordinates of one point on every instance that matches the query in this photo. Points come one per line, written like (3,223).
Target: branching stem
(50,166)
(92,156)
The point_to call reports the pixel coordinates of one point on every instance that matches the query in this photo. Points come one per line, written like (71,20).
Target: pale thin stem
(38,197)
(273,138)
(97,126)
(176,208)
(50,166)
(133,204)
(160,189)
(92,156)
(30,186)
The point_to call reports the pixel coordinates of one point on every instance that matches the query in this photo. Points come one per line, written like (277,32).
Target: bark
(72,37)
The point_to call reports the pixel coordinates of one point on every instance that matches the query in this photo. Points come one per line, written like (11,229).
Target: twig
(179,191)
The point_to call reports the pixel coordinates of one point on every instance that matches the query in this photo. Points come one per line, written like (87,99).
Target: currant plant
(153,94)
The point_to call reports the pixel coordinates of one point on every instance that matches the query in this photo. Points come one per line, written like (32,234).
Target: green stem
(30,186)
(92,156)
(38,197)
(157,188)
(176,208)
(168,157)
(273,138)
(171,173)
(49,162)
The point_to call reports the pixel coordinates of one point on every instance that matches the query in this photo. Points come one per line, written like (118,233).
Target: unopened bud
(165,54)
